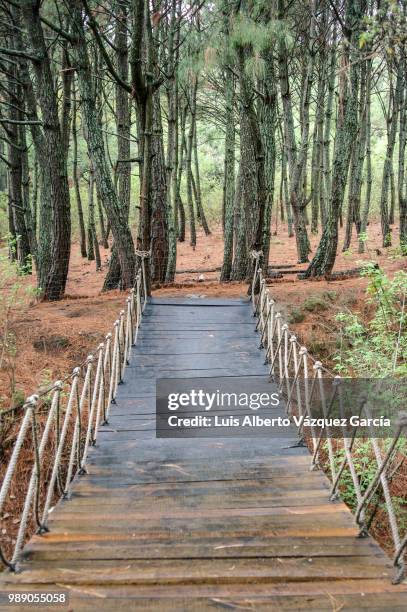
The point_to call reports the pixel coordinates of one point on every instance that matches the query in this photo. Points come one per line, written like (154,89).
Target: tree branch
(16,122)
(16,53)
(94,27)
(58,30)
(5,160)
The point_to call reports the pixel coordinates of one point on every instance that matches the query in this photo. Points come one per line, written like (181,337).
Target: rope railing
(52,433)
(301,378)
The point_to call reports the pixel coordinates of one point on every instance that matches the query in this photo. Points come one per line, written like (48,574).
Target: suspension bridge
(122,520)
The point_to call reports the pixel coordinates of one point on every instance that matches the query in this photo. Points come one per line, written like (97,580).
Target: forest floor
(49,339)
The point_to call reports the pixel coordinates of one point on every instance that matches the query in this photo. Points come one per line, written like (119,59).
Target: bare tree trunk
(369,178)
(123,166)
(55,151)
(82,232)
(252,174)
(192,228)
(117,216)
(229,179)
(392,118)
(180,205)
(200,211)
(401,174)
(347,125)
(172,140)
(297,159)
(159,199)
(268,120)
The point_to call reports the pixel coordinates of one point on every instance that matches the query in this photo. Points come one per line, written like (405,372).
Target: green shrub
(377,348)
(315,303)
(296,316)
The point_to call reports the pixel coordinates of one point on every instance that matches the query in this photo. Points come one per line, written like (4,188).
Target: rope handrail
(59,425)
(289,365)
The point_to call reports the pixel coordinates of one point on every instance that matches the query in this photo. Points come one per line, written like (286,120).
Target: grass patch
(315,303)
(296,316)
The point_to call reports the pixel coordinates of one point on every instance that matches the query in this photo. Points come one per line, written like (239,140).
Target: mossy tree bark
(116,215)
(123,112)
(190,139)
(159,199)
(297,157)
(55,271)
(81,221)
(391,120)
(229,175)
(347,126)
(172,91)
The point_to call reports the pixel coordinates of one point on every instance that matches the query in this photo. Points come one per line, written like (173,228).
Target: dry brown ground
(51,338)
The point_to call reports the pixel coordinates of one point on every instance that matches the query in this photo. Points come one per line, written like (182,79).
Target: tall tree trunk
(159,222)
(229,177)
(297,159)
(368,156)
(93,244)
(18,198)
(347,126)
(328,123)
(103,236)
(401,174)
(315,180)
(239,267)
(318,185)
(180,205)
(55,152)
(116,215)
(392,118)
(268,133)
(357,162)
(123,167)
(192,228)
(200,211)
(91,215)
(81,222)
(286,195)
(34,199)
(172,139)
(16,201)
(252,176)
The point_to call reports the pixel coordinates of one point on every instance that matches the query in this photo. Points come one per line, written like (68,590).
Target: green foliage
(315,303)
(255,67)
(259,36)
(3,213)
(377,348)
(296,316)
(365,467)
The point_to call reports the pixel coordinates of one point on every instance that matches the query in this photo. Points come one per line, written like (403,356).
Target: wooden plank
(85,599)
(58,547)
(174,302)
(209,571)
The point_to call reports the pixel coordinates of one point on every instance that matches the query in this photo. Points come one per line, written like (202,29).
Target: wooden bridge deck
(166,524)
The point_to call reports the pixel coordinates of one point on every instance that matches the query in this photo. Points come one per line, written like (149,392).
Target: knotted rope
(143,256)
(292,375)
(61,435)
